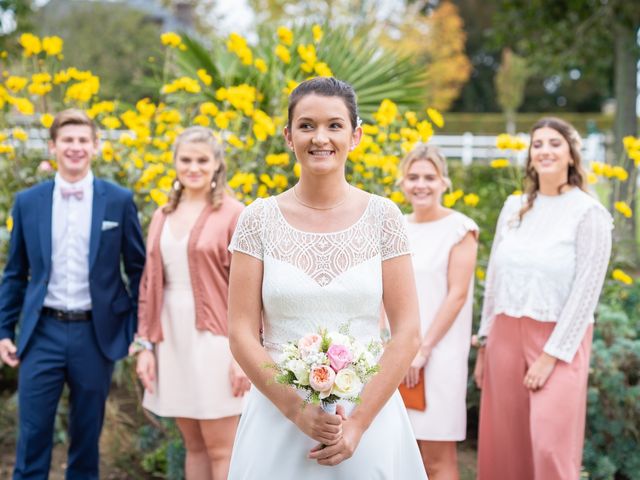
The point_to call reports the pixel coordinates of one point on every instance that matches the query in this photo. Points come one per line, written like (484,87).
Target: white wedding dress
(314,280)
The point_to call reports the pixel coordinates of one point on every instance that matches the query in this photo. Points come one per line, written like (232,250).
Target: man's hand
(8,353)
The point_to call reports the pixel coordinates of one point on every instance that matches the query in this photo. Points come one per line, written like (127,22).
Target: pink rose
(309,344)
(321,379)
(339,357)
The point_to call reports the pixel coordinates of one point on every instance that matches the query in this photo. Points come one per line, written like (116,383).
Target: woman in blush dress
(321,255)
(444,244)
(547,266)
(184,361)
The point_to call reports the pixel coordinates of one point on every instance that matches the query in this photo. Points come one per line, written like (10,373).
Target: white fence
(467,147)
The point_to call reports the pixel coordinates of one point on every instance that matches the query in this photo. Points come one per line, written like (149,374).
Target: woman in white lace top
(547,266)
(321,255)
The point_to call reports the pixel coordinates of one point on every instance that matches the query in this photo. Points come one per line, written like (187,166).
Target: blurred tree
(510,81)
(561,35)
(435,38)
(112,40)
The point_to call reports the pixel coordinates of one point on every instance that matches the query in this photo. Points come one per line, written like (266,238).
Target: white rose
(300,370)
(347,384)
(339,339)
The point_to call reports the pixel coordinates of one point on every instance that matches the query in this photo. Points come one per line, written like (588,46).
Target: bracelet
(138,345)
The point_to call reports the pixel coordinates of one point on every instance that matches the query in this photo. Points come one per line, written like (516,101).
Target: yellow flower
(291,85)
(503,141)
(20,134)
(285,36)
(222,121)
(283,54)
(480,274)
(425,130)
(621,276)
(101,107)
(23,105)
(238,45)
(516,193)
(204,76)
(46,120)
(111,122)
(4,148)
(107,151)
(386,113)
(296,169)
(30,44)
(171,39)
(186,84)
(436,117)
(449,200)
(260,65)
(263,125)
(499,163)
(317,32)
(15,83)
(209,108)
(40,88)
(9,223)
(52,45)
(322,70)
(411,118)
(471,199)
(592,178)
(279,159)
(397,197)
(620,173)
(623,208)
(159,197)
(309,57)
(369,129)
(201,120)
(234,141)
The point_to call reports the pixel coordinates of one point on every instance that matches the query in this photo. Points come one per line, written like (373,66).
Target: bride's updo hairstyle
(325,87)
(576,175)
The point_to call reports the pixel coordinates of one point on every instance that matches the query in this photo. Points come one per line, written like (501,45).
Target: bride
(321,255)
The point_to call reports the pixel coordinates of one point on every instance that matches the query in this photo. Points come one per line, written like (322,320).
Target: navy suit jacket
(26,275)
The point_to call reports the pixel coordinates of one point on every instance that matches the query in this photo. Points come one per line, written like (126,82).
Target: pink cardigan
(209,262)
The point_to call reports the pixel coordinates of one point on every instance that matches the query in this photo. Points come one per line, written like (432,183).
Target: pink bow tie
(77,193)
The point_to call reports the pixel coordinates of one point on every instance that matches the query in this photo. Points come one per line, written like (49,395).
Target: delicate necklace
(295,194)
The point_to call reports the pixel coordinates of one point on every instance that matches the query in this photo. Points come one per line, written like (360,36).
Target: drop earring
(177,185)
(213,184)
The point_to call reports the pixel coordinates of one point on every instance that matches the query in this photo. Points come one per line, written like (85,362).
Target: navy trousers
(61,352)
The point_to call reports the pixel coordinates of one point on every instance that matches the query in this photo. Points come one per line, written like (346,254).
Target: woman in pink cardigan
(184,361)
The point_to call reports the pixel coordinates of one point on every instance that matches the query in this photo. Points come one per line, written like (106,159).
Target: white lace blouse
(550,266)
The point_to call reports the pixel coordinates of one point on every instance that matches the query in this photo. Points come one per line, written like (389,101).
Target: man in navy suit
(71,239)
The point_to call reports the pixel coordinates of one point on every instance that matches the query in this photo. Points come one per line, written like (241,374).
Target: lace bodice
(550,266)
(314,280)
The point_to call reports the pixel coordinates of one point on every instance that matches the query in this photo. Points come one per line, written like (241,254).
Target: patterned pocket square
(108,225)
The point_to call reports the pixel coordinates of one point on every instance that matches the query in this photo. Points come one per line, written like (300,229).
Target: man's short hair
(71,116)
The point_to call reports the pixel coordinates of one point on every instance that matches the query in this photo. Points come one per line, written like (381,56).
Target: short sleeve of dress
(394,238)
(465,225)
(247,237)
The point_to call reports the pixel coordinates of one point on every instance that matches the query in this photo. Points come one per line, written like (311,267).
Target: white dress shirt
(68,287)
(549,267)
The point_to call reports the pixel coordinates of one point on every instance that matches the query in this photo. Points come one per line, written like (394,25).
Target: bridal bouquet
(328,366)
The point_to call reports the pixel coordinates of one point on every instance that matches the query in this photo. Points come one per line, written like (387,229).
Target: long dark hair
(576,175)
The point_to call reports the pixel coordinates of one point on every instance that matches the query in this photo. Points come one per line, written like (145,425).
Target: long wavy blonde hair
(576,174)
(198,134)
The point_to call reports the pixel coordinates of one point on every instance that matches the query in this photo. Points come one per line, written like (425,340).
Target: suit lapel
(97,215)
(44,222)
